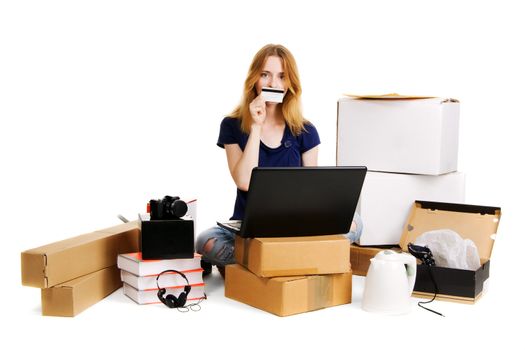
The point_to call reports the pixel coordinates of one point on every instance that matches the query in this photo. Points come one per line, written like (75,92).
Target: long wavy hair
(291,105)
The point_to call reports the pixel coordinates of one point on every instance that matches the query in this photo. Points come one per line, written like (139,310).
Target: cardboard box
(386,199)
(284,296)
(294,256)
(62,261)
(360,257)
(415,136)
(73,297)
(477,223)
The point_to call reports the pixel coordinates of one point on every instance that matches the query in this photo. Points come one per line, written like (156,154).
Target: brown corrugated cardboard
(360,258)
(284,296)
(294,256)
(62,261)
(477,223)
(72,297)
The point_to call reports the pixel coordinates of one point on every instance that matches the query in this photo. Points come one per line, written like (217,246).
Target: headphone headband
(174,271)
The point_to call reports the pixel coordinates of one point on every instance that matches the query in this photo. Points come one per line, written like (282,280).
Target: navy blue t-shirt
(288,154)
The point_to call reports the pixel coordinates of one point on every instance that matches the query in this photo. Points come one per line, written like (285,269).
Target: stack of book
(140,277)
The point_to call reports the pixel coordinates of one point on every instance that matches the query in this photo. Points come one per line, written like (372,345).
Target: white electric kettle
(389,283)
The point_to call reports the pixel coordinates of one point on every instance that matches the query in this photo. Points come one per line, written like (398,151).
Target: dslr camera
(167,208)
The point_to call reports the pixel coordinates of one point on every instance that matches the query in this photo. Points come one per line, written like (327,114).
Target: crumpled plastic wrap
(450,249)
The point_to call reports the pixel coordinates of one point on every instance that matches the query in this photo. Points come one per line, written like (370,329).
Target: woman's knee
(215,247)
(356,229)
(204,239)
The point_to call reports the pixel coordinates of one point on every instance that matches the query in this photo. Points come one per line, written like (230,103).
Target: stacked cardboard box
(410,147)
(290,275)
(140,277)
(78,272)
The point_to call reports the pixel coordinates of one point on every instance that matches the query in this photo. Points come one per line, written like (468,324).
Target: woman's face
(272,75)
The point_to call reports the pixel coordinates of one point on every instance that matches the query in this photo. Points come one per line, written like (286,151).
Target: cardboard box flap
(392,96)
(477,223)
(395,97)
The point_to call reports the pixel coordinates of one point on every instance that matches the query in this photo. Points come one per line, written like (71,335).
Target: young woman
(264,134)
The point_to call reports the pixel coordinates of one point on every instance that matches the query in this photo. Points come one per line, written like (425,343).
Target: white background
(107,104)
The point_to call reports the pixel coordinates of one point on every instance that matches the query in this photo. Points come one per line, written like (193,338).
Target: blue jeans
(222,251)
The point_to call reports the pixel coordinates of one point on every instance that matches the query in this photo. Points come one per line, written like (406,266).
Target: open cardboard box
(477,223)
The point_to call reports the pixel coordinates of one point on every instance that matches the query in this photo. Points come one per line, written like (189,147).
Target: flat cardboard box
(477,223)
(284,296)
(407,135)
(62,261)
(294,256)
(386,200)
(360,257)
(73,297)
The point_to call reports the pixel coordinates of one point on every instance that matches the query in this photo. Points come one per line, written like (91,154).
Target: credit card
(272,95)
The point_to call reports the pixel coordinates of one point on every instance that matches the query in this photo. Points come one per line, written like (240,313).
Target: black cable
(189,307)
(425,255)
(435,294)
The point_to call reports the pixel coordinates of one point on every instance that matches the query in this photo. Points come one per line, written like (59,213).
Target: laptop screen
(303,201)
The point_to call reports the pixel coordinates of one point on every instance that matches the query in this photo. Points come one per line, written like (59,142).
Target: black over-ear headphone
(171,300)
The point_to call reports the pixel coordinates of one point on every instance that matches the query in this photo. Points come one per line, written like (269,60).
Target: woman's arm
(310,157)
(241,163)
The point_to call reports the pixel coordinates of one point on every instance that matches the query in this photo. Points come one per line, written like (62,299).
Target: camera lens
(178,208)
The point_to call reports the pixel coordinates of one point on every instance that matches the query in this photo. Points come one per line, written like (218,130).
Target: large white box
(386,200)
(414,136)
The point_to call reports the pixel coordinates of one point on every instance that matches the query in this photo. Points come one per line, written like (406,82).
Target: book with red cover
(168,279)
(150,296)
(133,263)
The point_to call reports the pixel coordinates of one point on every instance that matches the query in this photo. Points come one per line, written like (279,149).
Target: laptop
(300,201)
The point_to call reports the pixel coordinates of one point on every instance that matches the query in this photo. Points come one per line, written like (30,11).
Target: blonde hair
(291,106)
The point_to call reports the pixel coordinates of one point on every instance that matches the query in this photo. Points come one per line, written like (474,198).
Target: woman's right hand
(258,110)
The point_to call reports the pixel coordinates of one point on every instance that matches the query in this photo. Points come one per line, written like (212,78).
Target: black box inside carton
(167,239)
(477,223)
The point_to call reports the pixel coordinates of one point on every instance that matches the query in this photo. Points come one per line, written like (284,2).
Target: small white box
(414,136)
(386,200)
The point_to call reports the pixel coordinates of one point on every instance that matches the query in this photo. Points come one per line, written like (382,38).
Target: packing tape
(289,272)
(320,291)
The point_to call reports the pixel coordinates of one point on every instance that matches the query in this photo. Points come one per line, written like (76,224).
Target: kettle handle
(411,267)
